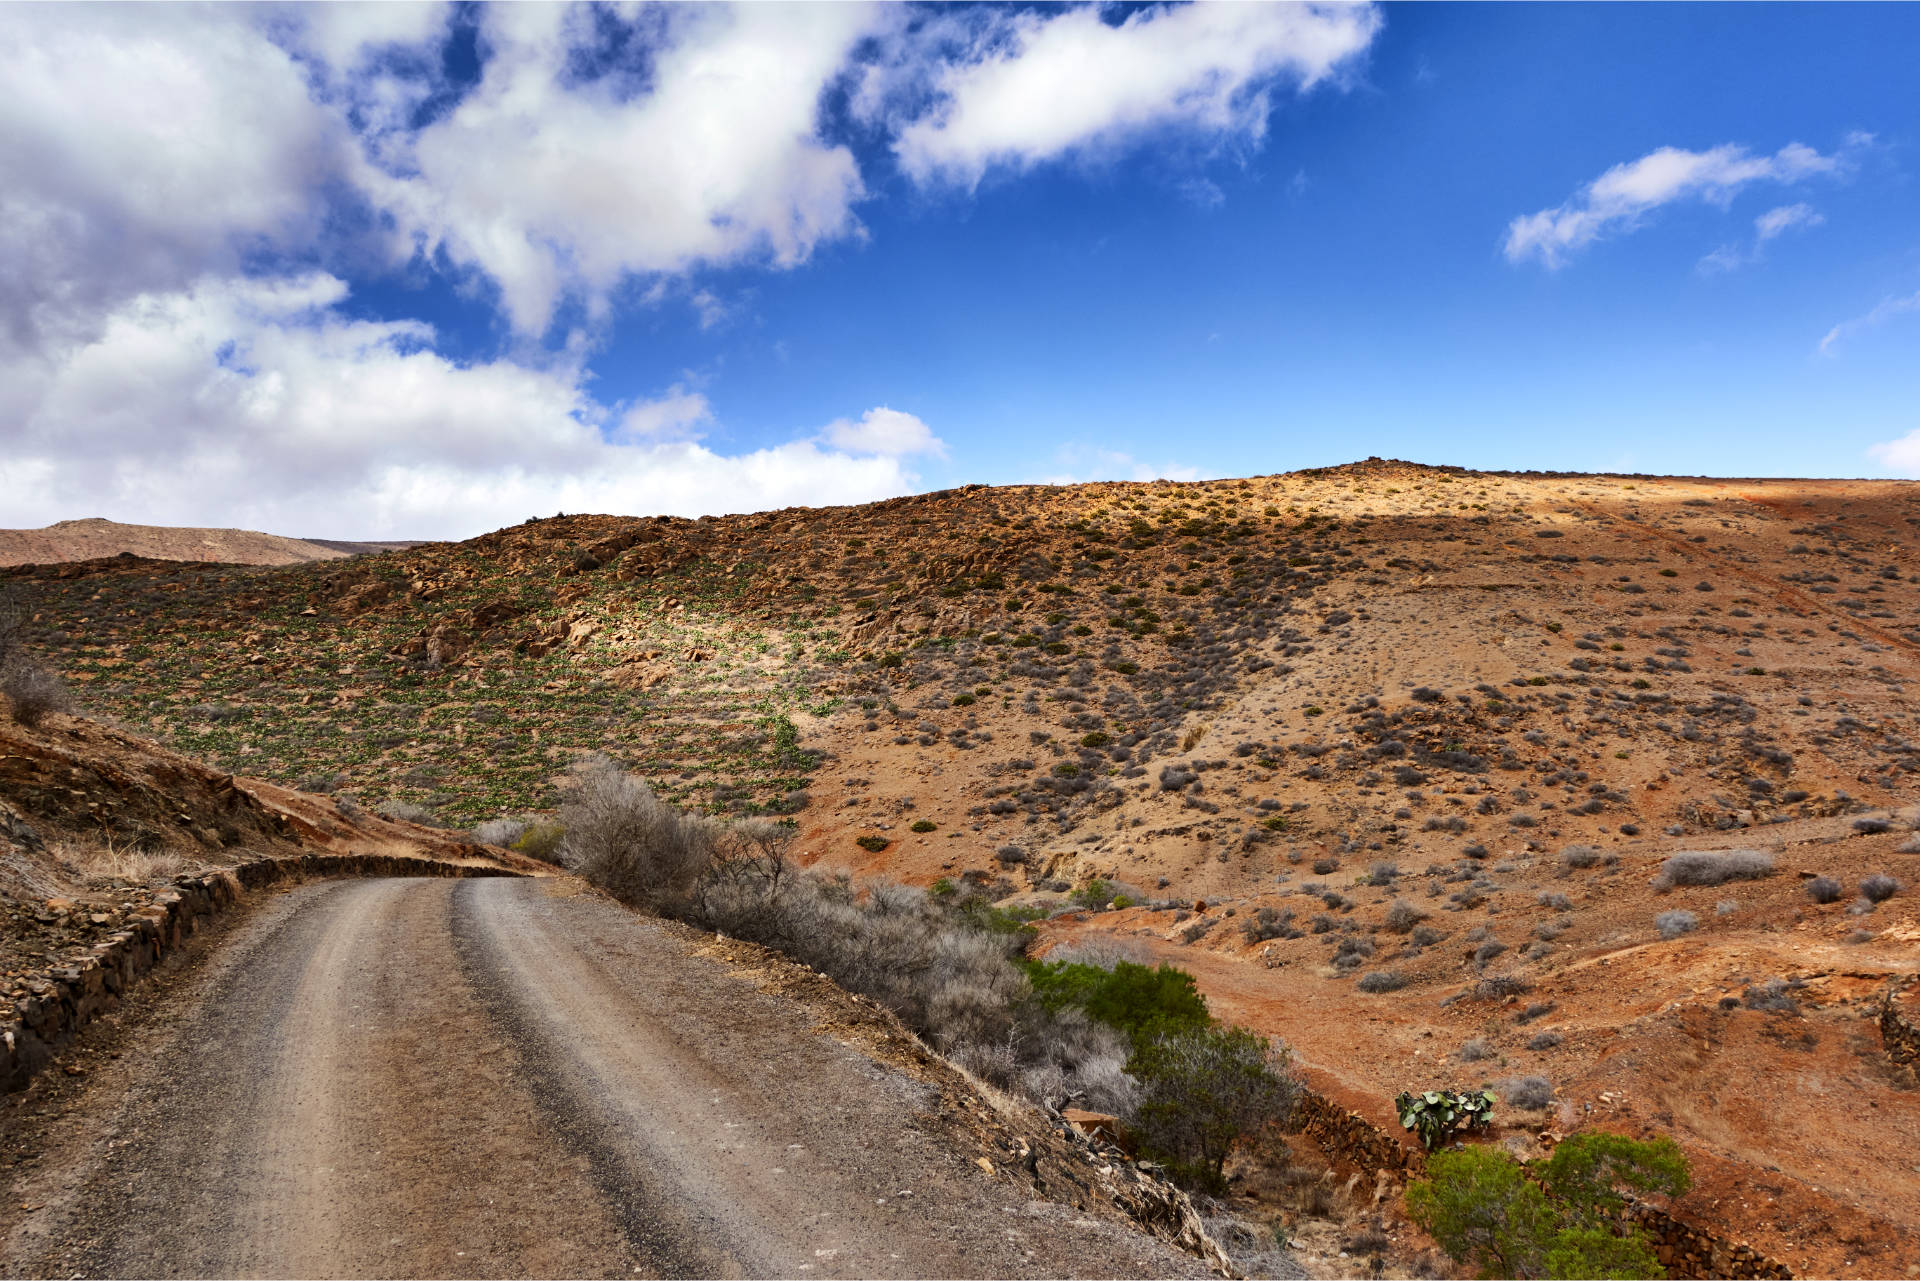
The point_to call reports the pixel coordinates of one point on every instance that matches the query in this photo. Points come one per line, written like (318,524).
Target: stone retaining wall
(72,995)
(1684,1250)
(1897,1031)
(1347,1137)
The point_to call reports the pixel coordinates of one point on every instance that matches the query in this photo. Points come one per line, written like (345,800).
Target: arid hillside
(1391,756)
(96,538)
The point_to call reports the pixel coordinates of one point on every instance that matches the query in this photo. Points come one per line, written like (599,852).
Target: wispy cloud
(1082,464)
(1768,226)
(1887,310)
(1620,199)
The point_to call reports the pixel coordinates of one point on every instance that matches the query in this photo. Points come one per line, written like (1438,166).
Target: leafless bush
(1878,888)
(1673,924)
(626,840)
(1824,889)
(1578,856)
(500,831)
(406,812)
(1772,996)
(1102,951)
(1402,916)
(1705,867)
(1544,1040)
(1476,1050)
(1558,902)
(1527,1093)
(1500,987)
(32,691)
(1376,981)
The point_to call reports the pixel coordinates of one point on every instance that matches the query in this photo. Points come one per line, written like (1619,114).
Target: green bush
(1140,1001)
(923,825)
(872,844)
(541,840)
(1095,894)
(1481,1208)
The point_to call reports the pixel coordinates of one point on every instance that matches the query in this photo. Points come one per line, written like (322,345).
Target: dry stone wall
(1897,1031)
(71,995)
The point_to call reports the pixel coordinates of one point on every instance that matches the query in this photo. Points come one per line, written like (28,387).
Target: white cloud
(258,403)
(1768,226)
(1902,455)
(1619,199)
(884,431)
(139,148)
(676,415)
(555,187)
(1776,222)
(1886,311)
(1083,465)
(1023,87)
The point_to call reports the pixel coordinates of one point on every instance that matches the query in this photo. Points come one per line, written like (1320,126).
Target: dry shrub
(948,980)
(130,863)
(32,691)
(1673,924)
(1704,867)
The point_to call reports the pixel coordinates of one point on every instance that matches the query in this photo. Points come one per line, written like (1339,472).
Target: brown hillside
(1243,693)
(95,539)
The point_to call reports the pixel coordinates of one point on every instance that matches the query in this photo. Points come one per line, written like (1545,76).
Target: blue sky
(421,271)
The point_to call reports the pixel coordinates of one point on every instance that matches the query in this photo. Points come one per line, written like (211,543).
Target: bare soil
(95,538)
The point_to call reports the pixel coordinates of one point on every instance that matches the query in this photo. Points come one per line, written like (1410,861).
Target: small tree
(1482,1209)
(1203,1089)
(1479,1207)
(1593,1173)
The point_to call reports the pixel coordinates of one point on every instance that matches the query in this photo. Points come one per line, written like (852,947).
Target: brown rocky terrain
(1435,725)
(95,538)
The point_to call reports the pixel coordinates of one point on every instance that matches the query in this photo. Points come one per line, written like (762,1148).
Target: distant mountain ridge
(96,537)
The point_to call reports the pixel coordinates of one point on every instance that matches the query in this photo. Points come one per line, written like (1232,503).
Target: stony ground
(1263,711)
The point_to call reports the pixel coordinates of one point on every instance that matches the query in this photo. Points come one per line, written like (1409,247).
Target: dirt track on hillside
(504,1078)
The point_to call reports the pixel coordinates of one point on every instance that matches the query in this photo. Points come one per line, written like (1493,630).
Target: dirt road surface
(501,1078)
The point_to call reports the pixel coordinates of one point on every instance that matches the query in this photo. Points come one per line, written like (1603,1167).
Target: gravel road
(506,1078)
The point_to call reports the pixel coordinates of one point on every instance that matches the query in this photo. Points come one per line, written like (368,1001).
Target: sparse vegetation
(1673,924)
(1713,868)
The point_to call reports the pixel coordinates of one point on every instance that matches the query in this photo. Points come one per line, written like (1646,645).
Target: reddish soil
(96,538)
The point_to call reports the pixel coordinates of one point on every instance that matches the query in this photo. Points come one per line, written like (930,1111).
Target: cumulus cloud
(260,403)
(555,185)
(1022,88)
(185,192)
(141,147)
(1901,456)
(1620,199)
(884,431)
(1887,310)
